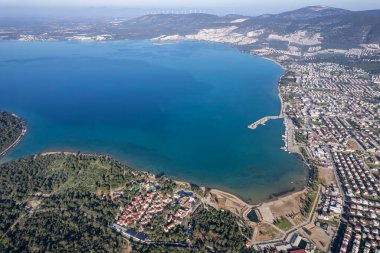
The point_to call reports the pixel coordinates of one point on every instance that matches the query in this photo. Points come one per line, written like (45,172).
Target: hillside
(155,25)
(68,203)
(314,25)
(310,12)
(10,129)
(336,28)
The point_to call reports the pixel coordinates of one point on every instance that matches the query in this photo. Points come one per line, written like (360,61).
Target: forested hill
(323,26)
(337,28)
(48,204)
(66,203)
(10,129)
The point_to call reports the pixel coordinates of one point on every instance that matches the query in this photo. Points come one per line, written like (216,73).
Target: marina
(262,121)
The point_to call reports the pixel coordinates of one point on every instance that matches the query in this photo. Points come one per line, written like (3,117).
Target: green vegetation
(317,123)
(67,214)
(300,137)
(65,203)
(283,223)
(267,232)
(60,173)
(371,67)
(161,249)
(304,154)
(10,211)
(73,222)
(312,191)
(308,200)
(10,130)
(212,231)
(373,165)
(156,231)
(288,79)
(298,122)
(220,230)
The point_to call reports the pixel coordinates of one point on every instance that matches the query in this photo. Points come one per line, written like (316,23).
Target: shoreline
(233,197)
(275,197)
(24,130)
(220,193)
(180,181)
(217,192)
(272,60)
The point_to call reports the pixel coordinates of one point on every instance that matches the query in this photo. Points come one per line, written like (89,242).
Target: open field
(326,175)
(284,206)
(283,224)
(267,232)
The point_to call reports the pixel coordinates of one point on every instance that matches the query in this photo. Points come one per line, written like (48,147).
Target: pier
(262,121)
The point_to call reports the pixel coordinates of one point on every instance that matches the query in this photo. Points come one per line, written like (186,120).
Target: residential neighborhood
(150,203)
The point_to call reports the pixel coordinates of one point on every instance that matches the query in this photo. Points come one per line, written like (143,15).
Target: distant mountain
(155,25)
(310,12)
(337,28)
(235,16)
(314,25)
(341,30)
(346,30)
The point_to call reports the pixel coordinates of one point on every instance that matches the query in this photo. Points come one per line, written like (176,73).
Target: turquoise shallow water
(180,108)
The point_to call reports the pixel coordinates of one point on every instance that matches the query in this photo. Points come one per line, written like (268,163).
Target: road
(23,132)
(293,229)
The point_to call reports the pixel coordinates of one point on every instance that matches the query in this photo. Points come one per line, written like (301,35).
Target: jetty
(262,121)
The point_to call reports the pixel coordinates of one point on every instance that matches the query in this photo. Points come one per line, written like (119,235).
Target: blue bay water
(180,108)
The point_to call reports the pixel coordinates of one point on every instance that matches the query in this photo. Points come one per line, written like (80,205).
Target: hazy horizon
(111,8)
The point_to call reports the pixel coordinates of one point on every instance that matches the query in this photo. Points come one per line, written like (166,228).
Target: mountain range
(339,28)
(322,26)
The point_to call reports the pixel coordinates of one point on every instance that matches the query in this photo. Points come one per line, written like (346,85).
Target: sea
(179,109)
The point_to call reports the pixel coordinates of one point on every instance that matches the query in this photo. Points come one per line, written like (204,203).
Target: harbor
(262,121)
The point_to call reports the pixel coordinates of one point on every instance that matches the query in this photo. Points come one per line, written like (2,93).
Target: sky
(252,7)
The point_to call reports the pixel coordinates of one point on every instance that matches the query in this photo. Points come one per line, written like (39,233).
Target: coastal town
(331,113)
(330,106)
(331,116)
(333,110)
(150,204)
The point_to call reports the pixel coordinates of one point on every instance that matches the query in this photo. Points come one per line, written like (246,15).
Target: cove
(180,108)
